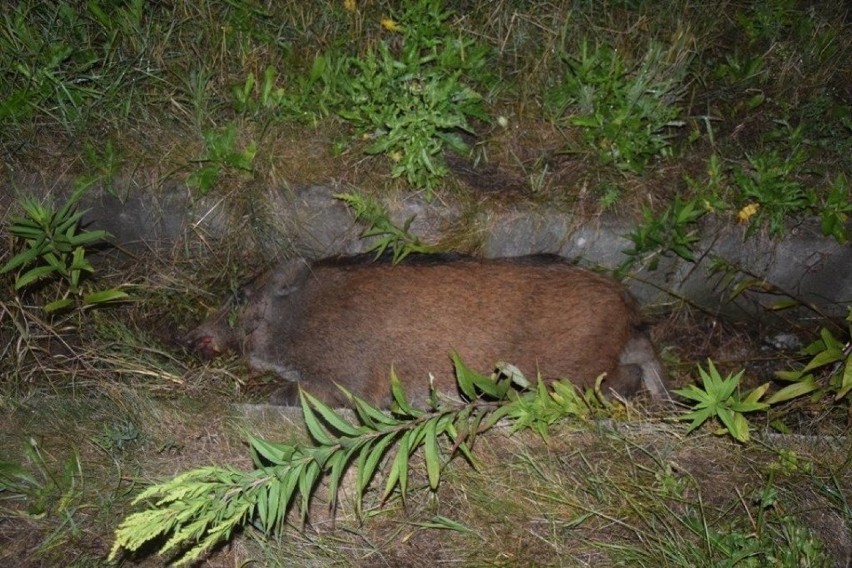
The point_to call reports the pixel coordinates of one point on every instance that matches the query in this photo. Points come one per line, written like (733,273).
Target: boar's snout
(205,343)
(205,346)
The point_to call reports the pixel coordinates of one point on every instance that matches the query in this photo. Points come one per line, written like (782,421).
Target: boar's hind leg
(639,353)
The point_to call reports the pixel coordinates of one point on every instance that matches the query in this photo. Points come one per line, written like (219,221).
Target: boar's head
(244,320)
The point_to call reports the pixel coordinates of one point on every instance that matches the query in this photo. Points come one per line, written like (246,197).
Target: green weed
(769,182)
(413,102)
(763,534)
(222,153)
(764,21)
(44,491)
(827,351)
(743,69)
(252,97)
(119,436)
(379,225)
(675,232)
(776,539)
(712,191)
(624,111)
(104,165)
(835,211)
(55,249)
(718,400)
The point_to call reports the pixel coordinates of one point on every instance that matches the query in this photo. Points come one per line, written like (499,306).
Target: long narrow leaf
(398,474)
(464,377)
(433,458)
(372,416)
(370,457)
(66,224)
(32,275)
(339,465)
(272,499)
(806,385)
(331,417)
(21,259)
(845,380)
(316,429)
(87,237)
(289,481)
(307,479)
(399,397)
(104,296)
(277,454)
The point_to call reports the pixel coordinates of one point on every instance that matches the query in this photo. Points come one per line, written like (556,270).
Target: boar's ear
(289,277)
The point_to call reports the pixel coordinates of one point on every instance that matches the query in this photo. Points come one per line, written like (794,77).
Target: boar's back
(347,322)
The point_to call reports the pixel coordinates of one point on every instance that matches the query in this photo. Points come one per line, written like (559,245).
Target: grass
(649,108)
(217,94)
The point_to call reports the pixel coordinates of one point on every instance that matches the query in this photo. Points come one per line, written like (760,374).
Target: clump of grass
(622,109)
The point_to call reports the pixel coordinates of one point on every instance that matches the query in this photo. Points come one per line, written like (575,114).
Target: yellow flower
(349,5)
(747,212)
(390,25)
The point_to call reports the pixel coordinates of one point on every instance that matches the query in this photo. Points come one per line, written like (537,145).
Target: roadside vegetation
(651,109)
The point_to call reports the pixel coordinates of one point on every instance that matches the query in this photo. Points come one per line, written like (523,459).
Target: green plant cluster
(674,231)
(55,249)
(767,191)
(45,491)
(624,112)
(413,102)
(223,153)
(769,181)
(719,399)
(825,352)
(776,538)
(379,226)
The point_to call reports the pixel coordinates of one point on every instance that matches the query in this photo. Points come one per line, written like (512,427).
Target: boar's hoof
(627,380)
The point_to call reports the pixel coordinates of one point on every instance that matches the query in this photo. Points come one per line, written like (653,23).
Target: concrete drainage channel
(308,221)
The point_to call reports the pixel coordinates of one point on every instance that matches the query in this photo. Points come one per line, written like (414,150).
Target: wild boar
(347,322)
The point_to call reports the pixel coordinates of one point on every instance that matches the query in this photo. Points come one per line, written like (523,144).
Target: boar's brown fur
(348,322)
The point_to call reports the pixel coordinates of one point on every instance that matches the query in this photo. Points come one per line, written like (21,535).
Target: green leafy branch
(202,507)
(675,231)
(398,239)
(55,248)
(739,280)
